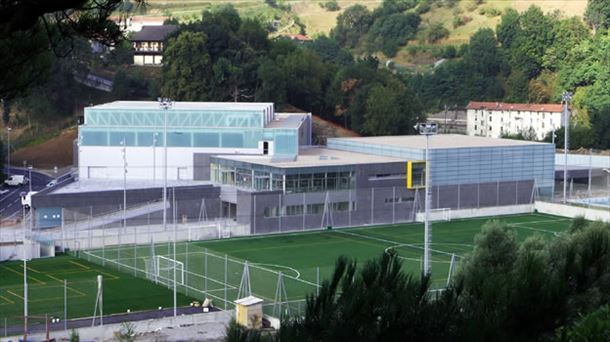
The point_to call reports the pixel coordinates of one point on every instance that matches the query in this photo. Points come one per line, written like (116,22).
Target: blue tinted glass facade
(204,128)
(469,165)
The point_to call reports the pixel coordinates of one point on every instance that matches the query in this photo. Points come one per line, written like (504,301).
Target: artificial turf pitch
(298,256)
(46,290)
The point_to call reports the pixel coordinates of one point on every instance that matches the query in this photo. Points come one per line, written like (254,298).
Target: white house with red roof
(495,119)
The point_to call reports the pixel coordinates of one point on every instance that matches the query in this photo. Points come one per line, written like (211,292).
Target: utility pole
(566,97)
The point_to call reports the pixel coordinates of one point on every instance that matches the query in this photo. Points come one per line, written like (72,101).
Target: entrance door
(182,173)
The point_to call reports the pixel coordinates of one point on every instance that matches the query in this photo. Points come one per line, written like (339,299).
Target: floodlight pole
(124,143)
(30,177)
(166,104)
(566,97)
(25,283)
(427,129)
(154,157)
(8,151)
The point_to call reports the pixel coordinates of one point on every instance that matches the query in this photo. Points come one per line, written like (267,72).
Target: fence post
(226,280)
(317,281)
(205,272)
(65,304)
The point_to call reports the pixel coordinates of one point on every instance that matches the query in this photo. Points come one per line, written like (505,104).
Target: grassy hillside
(474,16)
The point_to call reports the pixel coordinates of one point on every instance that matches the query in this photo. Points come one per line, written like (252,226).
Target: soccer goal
(161,269)
(439,214)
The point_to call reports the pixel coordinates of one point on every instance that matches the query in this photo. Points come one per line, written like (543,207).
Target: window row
(308,209)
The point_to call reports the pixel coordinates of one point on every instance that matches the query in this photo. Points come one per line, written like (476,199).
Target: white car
(16,180)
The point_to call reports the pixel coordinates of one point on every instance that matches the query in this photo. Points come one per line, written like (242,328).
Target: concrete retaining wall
(572,211)
(107,332)
(479,212)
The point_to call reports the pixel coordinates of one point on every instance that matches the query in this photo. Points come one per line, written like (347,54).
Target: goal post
(161,269)
(439,214)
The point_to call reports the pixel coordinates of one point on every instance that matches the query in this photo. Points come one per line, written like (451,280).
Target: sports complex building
(246,164)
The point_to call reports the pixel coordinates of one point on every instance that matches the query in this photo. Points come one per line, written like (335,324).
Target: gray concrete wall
(80,206)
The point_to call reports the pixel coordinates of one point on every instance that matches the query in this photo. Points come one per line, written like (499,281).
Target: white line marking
(298,274)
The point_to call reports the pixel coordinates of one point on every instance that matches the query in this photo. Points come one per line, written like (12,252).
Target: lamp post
(166,104)
(427,129)
(25,280)
(8,151)
(30,177)
(154,144)
(124,150)
(607,171)
(566,97)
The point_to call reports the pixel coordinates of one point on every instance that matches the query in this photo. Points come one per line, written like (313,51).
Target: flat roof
(111,184)
(287,120)
(315,157)
(183,105)
(440,141)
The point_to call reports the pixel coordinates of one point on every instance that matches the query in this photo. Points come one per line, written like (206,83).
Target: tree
(377,302)
(517,86)
(597,14)
(508,28)
(391,109)
(592,327)
(187,69)
(600,117)
(530,44)
(330,51)
(352,24)
(389,32)
(482,55)
(31,30)
(298,77)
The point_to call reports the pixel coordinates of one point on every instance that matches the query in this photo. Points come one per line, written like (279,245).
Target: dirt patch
(323,129)
(57,151)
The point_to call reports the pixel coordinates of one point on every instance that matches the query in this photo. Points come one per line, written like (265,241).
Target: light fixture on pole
(566,97)
(166,104)
(427,129)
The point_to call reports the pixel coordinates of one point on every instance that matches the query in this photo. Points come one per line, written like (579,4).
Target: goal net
(160,269)
(439,214)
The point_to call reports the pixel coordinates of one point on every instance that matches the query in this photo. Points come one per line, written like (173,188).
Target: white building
(136,23)
(195,132)
(494,119)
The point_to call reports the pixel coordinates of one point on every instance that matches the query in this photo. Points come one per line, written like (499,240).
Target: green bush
(490,12)
(331,5)
(436,32)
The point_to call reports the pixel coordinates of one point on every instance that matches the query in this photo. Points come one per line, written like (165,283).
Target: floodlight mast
(166,104)
(566,96)
(427,129)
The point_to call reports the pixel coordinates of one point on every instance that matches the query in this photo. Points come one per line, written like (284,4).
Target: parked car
(16,180)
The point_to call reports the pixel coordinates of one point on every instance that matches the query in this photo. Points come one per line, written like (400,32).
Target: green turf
(299,255)
(46,291)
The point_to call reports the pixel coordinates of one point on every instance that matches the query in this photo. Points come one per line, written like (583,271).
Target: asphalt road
(10,202)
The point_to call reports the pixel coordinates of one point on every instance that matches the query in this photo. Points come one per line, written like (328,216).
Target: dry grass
(57,151)
(318,20)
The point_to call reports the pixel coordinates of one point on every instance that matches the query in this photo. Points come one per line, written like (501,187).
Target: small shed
(249,312)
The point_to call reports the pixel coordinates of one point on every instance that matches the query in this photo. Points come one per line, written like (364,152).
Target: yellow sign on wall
(416,174)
